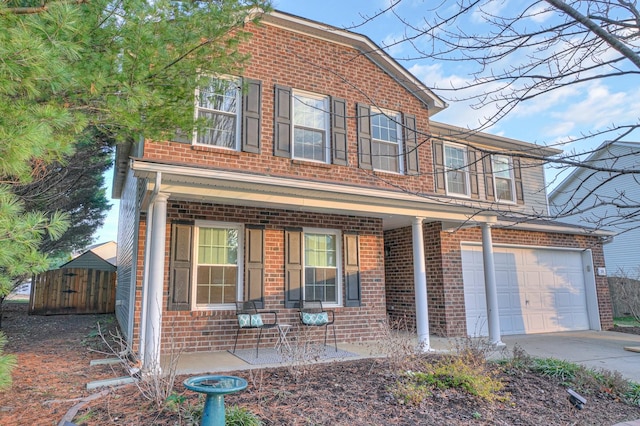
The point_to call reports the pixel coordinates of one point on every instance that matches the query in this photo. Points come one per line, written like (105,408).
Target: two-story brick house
(321,176)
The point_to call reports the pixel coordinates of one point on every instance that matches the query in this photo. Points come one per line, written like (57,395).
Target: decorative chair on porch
(250,318)
(312,314)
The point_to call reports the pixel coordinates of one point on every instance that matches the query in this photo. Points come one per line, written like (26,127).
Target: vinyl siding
(621,255)
(127,243)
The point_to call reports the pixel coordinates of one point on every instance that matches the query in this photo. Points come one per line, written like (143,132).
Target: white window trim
(511,177)
(338,234)
(194,267)
(465,169)
(327,129)
(396,116)
(196,109)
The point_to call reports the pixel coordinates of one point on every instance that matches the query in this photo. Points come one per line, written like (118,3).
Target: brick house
(322,176)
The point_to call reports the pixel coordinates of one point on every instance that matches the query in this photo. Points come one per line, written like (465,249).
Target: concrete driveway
(593,349)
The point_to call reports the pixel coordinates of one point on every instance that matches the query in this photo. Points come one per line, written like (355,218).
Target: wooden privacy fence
(73,291)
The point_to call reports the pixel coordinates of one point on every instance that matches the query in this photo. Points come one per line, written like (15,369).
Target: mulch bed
(53,369)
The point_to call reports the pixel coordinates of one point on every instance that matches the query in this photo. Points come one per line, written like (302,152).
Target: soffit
(395,208)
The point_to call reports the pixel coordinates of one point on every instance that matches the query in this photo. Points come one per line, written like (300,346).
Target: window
(457,175)
(386,143)
(218,265)
(310,127)
(321,267)
(218,104)
(503,177)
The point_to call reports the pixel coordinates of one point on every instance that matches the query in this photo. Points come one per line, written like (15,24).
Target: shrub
(467,371)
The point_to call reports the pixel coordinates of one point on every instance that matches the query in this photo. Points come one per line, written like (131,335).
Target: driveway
(593,349)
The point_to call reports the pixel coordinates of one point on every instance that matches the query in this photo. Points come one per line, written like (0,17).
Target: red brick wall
(445,288)
(215,330)
(304,63)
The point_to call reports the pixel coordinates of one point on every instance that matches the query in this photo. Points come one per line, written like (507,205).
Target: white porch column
(420,283)
(491,292)
(155,284)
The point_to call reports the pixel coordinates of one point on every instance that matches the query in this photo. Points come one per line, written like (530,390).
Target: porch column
(491,292)
(155,284)
(420,283)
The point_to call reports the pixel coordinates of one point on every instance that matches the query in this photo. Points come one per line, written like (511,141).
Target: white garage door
(539,290)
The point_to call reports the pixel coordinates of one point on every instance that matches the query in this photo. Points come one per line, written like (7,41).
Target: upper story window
(457,173)
(218,103)
(386,143)
(310,127)
(503,177)
(218,265)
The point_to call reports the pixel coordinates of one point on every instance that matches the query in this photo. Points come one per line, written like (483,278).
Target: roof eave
(364,45)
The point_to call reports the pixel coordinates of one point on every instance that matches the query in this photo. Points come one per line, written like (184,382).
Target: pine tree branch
(30,10)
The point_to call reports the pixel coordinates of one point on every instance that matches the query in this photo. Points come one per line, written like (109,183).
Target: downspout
(145,277)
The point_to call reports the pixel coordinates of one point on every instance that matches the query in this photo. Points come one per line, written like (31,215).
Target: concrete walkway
(593,349)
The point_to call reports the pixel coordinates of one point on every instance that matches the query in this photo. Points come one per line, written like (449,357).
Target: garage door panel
(539,290)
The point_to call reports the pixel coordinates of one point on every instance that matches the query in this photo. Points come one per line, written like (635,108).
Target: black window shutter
(488,177)
(438,167)
(411,144)
(517,174)
(339,131)
(352,270)
(364,136)
(282,124)
(251,116)
(254,265)
(293,267)
(180,267)
(472,159)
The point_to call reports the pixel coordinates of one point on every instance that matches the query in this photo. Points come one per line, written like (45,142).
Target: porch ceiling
(395,208)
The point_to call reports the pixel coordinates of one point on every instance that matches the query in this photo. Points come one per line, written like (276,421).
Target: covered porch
(395,208)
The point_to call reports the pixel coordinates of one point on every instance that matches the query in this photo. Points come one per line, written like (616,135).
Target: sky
(547,120)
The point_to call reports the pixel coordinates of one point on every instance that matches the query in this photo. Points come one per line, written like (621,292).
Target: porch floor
(224,361)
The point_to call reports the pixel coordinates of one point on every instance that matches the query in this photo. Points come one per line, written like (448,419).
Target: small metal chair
(250,318)
(312,314)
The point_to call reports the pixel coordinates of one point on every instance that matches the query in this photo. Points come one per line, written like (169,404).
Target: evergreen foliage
(75,73)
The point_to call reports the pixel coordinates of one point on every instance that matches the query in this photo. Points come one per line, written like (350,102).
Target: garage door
(539,290)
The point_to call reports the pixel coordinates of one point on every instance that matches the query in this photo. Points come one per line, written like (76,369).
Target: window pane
(501,166)
(320,267)
(219,95)
(320,284)
(218,106)
(217,271)
(310,120)
(385,147)
(220,130)
(320,250)
(309,144)
(504,189)
(385,156)
(218,246)
(455,163)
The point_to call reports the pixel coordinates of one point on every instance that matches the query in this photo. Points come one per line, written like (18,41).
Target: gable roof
(456,133)
(98,256)
(365,46)
(596,155)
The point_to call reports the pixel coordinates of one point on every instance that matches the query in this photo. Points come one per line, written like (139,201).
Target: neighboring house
(102,256)
(606,199)
(322,176)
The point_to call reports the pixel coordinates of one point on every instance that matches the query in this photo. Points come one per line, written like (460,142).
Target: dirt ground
(53,369)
